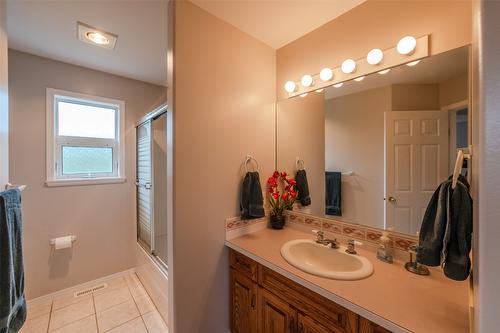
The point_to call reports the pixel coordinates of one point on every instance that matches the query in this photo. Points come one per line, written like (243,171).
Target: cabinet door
(243,303)
(275,315)
(308,325)
(366,326)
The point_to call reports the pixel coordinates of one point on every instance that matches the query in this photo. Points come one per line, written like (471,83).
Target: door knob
(392,199)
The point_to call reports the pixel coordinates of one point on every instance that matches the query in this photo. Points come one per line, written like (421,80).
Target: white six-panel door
(416,156)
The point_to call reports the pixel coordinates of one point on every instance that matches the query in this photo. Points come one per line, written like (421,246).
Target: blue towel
(333,190)
(252,201)
(12,300)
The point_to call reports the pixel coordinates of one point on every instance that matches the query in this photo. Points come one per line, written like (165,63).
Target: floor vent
(90,290)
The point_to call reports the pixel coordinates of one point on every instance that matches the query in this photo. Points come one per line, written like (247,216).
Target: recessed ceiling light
(413,63)
(95,36)
(385,71)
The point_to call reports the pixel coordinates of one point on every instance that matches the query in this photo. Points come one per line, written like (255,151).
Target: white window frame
(55,143)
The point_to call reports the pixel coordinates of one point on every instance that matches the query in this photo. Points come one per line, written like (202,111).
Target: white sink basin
(321,260)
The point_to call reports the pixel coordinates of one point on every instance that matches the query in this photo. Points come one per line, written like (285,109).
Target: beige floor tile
(111,298)
(154,322)
(117,315)
(38,309)
(133,326)
(112,284)
(68,299)
(135,286)
(37,325)
(71,313)
(144,304)
(85,325)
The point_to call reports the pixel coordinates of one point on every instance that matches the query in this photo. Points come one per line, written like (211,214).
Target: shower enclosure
(151,184)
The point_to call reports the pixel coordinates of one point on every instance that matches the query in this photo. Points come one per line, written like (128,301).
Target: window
(84,139)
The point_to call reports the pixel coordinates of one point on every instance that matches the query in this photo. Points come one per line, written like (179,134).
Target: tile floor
(123,307)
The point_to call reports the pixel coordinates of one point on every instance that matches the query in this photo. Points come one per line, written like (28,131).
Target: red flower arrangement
(281,201)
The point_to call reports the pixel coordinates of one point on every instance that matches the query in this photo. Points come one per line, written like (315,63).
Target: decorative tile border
(236,222)
(351,230)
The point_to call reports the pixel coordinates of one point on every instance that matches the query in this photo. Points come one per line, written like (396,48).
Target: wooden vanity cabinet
(264,301)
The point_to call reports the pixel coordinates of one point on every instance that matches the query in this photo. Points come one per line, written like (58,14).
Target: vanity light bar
(409,50)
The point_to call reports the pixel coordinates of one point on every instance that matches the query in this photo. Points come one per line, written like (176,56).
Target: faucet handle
(351,246)
(319,234)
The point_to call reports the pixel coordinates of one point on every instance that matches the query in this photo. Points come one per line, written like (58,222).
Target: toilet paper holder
(52,242)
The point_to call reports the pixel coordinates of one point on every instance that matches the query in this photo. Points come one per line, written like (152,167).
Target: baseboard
(56,294)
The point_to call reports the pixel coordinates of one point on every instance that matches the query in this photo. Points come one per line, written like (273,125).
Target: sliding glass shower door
(152,184)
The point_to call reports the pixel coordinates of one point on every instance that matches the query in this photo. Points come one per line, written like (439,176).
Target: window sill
(83,181)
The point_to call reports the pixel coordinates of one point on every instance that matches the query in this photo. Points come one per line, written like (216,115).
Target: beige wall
(415,97)
(4,99)
(223,108)
(454,90)
(354,136)
(487,227)
(300,133)
(374,24)
(101,216)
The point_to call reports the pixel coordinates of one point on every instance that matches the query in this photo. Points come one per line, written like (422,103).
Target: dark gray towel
(302,187)
(252,201)
(446,231)
(333,190)
(12,300)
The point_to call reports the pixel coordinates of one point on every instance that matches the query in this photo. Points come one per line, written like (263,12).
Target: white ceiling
(48,28)
(277,22)
(430,70)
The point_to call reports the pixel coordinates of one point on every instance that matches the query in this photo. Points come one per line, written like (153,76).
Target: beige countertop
(391,297)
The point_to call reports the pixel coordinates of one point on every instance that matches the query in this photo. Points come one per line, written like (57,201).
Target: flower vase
(277,221)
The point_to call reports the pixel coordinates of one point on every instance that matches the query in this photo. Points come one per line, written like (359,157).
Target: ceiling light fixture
(326,74)
(375,57)
(406,45)
(338,85)
(320,90)
(303,95)
(95,36)
(385,71)
(348,66)
(359,79)
(290,86)
(413,63)
(307,81)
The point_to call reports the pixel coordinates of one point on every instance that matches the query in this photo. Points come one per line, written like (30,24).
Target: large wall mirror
(375,150)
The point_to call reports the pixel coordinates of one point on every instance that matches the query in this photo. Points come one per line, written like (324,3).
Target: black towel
(252,201)
(446,231)
(333,188)
(12,300)
(302,188)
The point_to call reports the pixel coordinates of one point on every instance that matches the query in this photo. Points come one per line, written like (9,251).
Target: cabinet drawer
(366,326)
(334,317)
(243,264)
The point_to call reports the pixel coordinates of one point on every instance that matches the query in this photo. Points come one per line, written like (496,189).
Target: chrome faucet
(351,246)
(320,239)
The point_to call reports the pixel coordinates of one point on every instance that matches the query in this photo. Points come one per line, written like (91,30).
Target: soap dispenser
(384,251)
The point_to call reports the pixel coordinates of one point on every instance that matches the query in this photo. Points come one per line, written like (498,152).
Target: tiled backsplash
(349,230)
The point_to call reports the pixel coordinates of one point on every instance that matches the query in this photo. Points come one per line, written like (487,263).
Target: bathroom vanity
(270,295)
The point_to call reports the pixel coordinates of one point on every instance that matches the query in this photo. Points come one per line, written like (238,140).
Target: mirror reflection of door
(416,163)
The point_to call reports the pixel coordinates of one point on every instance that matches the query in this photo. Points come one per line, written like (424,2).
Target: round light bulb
(385,71)
(97,37)
(307,80)
(375,57)
(348,66)
(359,79)
(319,90)
(303,95)
(413,63)
(290,86)
(406,45)
(338,85)
(326,74)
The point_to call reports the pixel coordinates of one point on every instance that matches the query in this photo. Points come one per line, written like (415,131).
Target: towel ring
(248,159)
(299,164)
